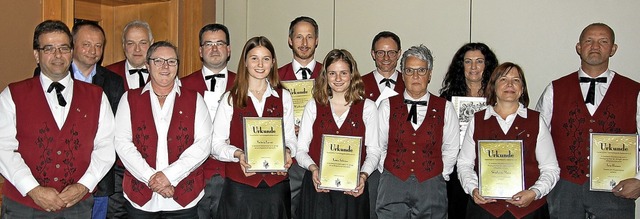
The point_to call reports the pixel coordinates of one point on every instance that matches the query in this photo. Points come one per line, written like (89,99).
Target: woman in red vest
(337,108)
(256,92)
(509,119)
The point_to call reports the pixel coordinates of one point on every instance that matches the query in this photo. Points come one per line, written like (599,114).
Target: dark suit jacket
(286,72)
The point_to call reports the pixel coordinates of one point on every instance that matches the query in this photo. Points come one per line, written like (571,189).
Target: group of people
(143,143)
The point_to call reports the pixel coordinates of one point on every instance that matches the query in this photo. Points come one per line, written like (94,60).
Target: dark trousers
(474,211)
(296,173)
(247,202)
(116,200)
(189,213)
(568,200)
(208,205)
(457,197)
(411,198)
(14,210)
(373,181)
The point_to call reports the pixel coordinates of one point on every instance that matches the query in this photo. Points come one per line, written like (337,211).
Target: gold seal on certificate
(301,93)
(264,144)
(500,168)
(340,162)
(614,157)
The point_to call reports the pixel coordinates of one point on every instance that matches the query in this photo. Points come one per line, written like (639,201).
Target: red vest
(325,124)
(521,129)
(412,151)
(571,122)
(371,89)
(286,72)
(196,82)
(56,157)
(272,108)
(180,137)
(119,68)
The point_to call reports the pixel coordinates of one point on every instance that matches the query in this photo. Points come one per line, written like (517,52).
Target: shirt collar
(46,81)
(522,112)
(423,98)
(77,74)
(296,65)
(379,76)
(269,91)
(129,66)
(206,71)
(608,73)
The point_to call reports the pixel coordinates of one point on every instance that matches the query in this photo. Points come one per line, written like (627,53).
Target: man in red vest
(421,135)
(163,137)
(303,41)
(136,39)
(211,82)
(593,99)
(56,135)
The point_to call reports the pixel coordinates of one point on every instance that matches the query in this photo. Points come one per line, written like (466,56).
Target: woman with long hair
(469,71)
(256,92)
(337,108)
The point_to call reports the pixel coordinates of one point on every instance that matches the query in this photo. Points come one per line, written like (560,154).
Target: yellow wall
(19,18)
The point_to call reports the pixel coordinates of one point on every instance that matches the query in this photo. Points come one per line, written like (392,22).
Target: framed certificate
(340,162)
(465,107)
(301,92)
(500,168)
(613,158)
(264,144)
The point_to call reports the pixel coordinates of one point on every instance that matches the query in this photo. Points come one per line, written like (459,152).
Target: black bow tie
(413,113)
(306,72)
(59,88)
(591,94)
(388,82)
(213,79)
(141,81)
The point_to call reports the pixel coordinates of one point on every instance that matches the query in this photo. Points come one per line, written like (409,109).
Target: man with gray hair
(421,149)
(136,39)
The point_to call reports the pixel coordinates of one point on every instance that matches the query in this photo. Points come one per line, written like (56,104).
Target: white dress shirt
(132,79)
(450,131)
(212,99)
(369,117)
(13,167)
(545,153)
(379,77)
(545,103)
(222,150)
(296,66)
(175,172)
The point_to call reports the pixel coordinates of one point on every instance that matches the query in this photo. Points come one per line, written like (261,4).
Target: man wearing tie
(593,99)
(211,82)
(303,40)
(56,135)
(136,39)
(420,134)
(385,51)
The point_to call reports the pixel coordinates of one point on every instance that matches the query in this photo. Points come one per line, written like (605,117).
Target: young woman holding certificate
(337,108)
(509,119)
(256,92)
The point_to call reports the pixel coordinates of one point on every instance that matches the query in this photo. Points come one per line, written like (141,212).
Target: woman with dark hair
(469,71)
(337,107)
(256,92)
(507,118)
(468,75)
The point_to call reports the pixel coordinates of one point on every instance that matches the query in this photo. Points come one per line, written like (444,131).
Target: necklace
(160,96)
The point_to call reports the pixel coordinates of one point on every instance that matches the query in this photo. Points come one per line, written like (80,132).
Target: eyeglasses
(160,61)
(411,71)
(51,49)
(210,44)
(390,53)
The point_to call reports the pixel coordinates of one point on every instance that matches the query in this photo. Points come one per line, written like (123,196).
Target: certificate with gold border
(301,93)
(500,168)
(340,162)
(264,144)
(614,157)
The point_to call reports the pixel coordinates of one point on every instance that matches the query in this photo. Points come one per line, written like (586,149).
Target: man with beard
(303,40)
(211,82)
(579,104)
